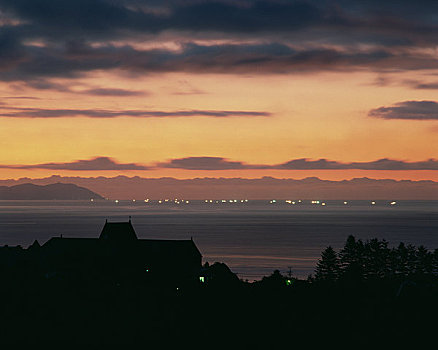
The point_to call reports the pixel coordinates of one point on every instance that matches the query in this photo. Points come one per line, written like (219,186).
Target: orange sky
(312,116)
(141,84)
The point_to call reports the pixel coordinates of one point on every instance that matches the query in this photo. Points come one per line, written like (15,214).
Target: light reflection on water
(253,238)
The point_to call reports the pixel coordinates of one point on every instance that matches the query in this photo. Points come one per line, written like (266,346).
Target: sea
(253,237)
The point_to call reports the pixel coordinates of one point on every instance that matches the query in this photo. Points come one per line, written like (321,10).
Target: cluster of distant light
(160,201)
(226,201)
(317,202)
(292,202)
(176,201)
(273,201)
(217,201)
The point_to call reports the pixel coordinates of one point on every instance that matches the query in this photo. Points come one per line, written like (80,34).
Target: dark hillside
(58,191)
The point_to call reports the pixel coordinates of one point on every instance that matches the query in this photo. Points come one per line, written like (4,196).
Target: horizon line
(209,178)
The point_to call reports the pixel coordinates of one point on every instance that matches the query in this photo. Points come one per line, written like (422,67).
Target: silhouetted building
(117,255)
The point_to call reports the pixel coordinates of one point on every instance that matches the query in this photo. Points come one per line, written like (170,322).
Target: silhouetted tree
(424,263)
(403,260)
(327,268)
(376,257)
(351,258)
(276,279)
(435,261)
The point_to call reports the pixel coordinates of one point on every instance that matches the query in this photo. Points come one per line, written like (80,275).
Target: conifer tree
(424,263)
(327,268)
(435,262)
(376,259)
(401,258)
(351,258)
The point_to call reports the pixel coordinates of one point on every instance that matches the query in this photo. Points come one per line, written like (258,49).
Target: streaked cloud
(219,163)
(18,112)
(73,60)
(207,163)
(414,110)
(426,86)
(71,38)
(113,92)
(48,84)
(94,164)
(381,164)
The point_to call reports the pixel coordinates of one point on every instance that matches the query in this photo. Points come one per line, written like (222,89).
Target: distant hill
(122,187)
(59,191)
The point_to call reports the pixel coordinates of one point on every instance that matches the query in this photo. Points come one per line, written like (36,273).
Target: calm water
(253,238)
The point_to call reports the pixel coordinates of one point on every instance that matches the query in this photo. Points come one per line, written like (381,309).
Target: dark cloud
(44,84)
(20,98)
(47,84)
(219,163)
(252,17)
(426,86)
(95,164)
(113,92)
(101,19)
(17,112)
(207,163)
(399,21)
(415,110)
(391,164)
(74,60)
(381,164)
(76,37)
(305,164)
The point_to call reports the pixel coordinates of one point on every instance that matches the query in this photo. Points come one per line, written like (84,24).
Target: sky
(225,88)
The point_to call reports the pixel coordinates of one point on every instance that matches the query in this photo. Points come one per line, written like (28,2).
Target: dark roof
(118,231)
(168,246)
(116,234)
(35,244)
(61,244)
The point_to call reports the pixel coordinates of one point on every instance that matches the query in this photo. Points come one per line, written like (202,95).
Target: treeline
(374,259)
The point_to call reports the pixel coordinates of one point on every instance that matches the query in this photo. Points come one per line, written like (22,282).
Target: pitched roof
(178,247)
(64,245)
(118,232)
(35,244)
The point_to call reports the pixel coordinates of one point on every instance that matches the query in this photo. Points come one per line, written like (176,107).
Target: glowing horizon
(256,92)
